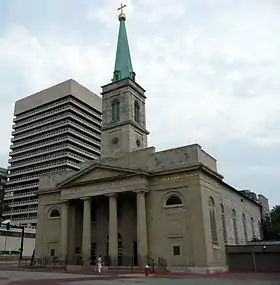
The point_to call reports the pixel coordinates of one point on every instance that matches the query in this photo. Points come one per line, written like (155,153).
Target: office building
(3,180)
(54,131)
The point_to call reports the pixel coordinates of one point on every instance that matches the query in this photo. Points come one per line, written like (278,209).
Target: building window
(136,112)
(224,222)
(176,250)
(93,214)
(54,214)
(234,222)
(253,228)
(244,227)
(117,75)
(173,200)
(115,110)
(211,205)
(52,252)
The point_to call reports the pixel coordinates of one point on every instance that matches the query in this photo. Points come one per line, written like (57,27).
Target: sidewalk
(166,275)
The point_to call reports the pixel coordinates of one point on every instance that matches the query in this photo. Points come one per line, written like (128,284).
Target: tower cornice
(123,83)
(122,123)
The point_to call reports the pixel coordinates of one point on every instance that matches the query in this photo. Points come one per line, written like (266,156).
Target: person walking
(99,264)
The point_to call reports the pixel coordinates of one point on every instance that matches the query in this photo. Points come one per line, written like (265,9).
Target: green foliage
(275,220)
(3,208)
(270,224)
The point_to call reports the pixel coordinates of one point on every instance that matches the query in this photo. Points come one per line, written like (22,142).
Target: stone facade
(135,205)
(118,206)
(129,135)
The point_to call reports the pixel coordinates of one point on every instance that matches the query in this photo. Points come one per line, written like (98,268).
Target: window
(224,222)
(136,112)
(253,228)
(244,227)
(54,213)
(176,250)
(93,213)
(115,110)
(174,200)
(52,252)
(234,223)
(211,205)
(117,75)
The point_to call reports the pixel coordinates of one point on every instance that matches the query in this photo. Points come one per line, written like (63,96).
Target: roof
(123,65)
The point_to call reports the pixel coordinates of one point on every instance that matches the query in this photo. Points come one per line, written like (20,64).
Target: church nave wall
(174,220)
(233,216)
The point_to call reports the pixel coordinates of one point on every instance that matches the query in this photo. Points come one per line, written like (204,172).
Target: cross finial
(121,8)
(122,14)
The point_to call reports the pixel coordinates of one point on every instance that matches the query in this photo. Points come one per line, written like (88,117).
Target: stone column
(113,228)
(141,227)
(64,230)
(86,238)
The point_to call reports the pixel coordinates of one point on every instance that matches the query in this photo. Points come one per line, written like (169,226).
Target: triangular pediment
(98,172)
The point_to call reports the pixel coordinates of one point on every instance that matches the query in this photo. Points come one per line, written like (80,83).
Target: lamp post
(21,243)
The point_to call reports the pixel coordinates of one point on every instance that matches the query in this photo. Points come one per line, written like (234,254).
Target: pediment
(98,172)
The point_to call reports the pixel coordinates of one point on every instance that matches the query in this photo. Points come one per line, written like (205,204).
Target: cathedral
(137,205)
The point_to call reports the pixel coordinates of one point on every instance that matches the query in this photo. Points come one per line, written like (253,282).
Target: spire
(123,66)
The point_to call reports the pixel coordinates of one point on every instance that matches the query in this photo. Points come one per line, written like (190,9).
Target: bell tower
(123,104)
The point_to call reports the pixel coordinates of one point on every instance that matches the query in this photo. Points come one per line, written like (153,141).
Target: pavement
(17,277)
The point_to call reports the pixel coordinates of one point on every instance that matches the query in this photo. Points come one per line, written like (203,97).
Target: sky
(210,67)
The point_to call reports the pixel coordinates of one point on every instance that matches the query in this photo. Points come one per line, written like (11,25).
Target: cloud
(210,69)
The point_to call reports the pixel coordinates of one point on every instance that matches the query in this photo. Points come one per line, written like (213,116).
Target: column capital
(85,198)
(111,194)
(141,191)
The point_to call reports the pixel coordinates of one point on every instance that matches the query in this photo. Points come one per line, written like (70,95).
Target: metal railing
(118,263)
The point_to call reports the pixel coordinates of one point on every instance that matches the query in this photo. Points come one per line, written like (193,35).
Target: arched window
(244,227)
(173,200)
(136,112)
(253,228)
(54,213)
(234,223)
(211,205)
(224,222)
(115,110)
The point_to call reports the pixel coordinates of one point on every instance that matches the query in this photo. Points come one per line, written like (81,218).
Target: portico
(121,217)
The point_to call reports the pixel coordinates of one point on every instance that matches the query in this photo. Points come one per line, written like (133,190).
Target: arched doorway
(120,250)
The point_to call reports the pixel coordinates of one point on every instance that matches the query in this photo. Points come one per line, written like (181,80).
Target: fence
(255,257)
(127,263)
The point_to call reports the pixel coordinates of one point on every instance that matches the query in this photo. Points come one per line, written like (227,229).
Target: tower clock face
(115,140)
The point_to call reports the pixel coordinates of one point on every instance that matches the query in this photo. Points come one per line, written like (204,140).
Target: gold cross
(121,8)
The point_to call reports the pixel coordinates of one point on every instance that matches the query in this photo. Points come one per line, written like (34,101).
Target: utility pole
(21,243)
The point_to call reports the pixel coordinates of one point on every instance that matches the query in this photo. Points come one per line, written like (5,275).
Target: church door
(120,250)
(135,253)
(93,253)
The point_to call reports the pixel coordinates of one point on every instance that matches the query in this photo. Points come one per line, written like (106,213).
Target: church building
(137,205)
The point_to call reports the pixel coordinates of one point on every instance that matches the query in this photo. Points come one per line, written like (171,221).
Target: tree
(3,208)
(266,228)
(275,221)
(270,224)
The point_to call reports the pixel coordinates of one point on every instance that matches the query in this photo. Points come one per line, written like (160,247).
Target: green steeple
(123,66)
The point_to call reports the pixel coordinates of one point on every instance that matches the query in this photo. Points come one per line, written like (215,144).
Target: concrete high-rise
(3,180)
(54,131)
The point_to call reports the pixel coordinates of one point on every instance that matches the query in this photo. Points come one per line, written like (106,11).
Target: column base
(86,263)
